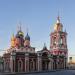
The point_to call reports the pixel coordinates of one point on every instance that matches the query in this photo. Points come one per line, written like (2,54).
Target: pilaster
(26,62)
(12,61)
(39,62)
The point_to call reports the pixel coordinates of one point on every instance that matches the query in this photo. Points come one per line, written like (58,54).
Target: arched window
(61,41)
(20,66)
(7,66)
(54,42)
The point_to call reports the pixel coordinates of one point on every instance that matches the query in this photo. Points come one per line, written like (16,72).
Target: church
(22,57)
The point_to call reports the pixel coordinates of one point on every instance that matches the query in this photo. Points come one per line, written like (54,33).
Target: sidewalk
(14,73)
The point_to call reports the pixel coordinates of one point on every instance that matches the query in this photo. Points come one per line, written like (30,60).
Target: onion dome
(13,41)
(58,26)
(19,34)
(12,38)
(27,37)
(19,37)
(27,40)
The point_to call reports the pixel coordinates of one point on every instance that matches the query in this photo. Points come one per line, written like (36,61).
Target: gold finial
(19,26)
(58,18)
(27,30)
(58,21)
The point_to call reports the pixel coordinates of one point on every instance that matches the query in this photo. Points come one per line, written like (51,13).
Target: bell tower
(58,43)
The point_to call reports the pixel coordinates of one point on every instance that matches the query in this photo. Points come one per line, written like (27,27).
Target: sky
(39,17)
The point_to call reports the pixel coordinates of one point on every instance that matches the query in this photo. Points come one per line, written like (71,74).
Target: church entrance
(61,64)
(30,65)
(45,65)
(20,66)
(54,62)
(45,61)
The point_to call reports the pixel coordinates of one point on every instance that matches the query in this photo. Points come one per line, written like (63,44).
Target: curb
(8,73)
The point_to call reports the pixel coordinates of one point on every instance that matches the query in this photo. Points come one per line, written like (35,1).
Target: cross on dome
(58,19)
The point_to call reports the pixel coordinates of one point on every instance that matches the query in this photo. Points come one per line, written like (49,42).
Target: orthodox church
(21,56)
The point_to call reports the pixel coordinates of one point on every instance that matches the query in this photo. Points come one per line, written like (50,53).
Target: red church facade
(58,46)
(21,57)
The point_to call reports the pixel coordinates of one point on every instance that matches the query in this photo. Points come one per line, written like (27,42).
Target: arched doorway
(45,61)
(20,66)
(54,62)
(30,65)
(7,66)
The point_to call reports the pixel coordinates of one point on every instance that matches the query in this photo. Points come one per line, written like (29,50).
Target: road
(63,72)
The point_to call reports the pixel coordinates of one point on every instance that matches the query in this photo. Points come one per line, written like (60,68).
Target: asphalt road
(63,72)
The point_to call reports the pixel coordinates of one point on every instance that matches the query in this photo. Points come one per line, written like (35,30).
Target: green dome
(19,34)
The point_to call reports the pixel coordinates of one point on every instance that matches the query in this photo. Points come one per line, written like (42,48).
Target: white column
(4,65)
(51,62)
(39,62)
(26,62)
(33,65)
(11,64)
(57,63)
(49,66)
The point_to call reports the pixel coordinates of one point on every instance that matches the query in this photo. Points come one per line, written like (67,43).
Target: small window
(54,40)
(61,41)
